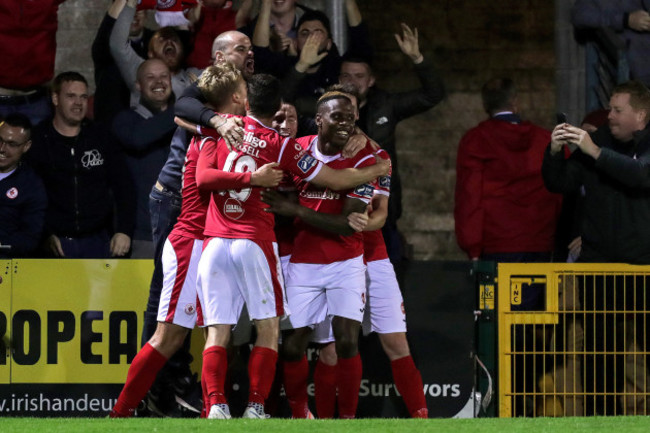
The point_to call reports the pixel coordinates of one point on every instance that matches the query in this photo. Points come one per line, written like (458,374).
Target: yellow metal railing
(582,349)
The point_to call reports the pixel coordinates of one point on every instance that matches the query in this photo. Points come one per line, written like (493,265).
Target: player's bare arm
(375,217)
(333,223)
(351,177)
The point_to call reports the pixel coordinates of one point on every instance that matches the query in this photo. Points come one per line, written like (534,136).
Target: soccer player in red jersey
(384,314)
(177,312)
(240,262)
(326,274)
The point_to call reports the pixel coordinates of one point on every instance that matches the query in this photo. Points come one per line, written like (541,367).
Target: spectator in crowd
(145,132)
(165,45)
(318,62)
(381,111)
(176,13)
(630,18)
(282,24)
(503,212)
(23,199)
(216,17)
(112,95)
(613,166)
(82,169)
(28,38)
(232,46)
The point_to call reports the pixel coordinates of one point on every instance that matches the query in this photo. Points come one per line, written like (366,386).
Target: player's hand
(120,244)
(185,124)
(231,131)
(639,21)
(383,165)
(409,44)
(358,221)
(268,176)
(53,244)
(278,203)
(354,145)
(309,54)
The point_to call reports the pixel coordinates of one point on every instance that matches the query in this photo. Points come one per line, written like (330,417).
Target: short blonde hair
(218,82)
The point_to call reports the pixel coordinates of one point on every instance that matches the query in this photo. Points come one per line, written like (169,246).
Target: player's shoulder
(306,141)
(255,128)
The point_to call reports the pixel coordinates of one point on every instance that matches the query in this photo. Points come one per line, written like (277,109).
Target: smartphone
(560,118)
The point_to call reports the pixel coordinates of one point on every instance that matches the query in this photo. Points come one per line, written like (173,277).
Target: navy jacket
(22,212)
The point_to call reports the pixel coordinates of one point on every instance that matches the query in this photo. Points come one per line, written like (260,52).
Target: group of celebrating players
(325,274)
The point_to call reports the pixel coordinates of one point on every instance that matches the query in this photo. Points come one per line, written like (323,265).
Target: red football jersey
(313,245)
(191,221)
(374,247)
(239,214)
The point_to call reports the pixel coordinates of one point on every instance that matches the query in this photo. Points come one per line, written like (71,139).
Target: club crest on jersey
(384,182)
(166,4)
(92,158)
(233,209)
(190,309)
(364,191)
(12,193)
(306,163)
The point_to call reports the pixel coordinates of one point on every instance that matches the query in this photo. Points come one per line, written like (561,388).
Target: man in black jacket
(612,165)
(22,194)
(85,177)
(144,132)
(381,111)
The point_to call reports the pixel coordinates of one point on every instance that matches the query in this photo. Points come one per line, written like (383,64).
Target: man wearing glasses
(22,194)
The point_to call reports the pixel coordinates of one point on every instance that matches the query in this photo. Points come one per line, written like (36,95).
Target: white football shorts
(178,301)
(315,291)
(385,312)
(234,272)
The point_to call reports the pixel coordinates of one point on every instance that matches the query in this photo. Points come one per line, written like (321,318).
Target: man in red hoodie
(503,211)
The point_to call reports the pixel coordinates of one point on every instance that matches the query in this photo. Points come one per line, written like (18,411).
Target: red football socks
(408,382)
(295,385)
(213,372)
(142,373)
(325,389)
(349,381)
(261,372)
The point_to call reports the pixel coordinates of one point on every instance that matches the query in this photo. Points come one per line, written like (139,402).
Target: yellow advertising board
(76,321)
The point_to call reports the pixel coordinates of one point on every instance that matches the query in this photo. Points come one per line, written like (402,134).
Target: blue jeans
(95,246)
(164,208)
